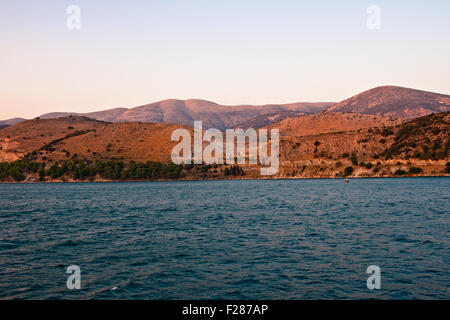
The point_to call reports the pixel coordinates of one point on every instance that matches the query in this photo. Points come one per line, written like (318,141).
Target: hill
(394,101)
(327,122)
(425,138)
(417,147)
(312,146)
(31,135)
(186,112)
(72,137)
(10,122)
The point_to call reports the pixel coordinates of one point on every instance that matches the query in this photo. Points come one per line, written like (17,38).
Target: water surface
(271,239)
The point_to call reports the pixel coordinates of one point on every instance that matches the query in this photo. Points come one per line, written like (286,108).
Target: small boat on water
(346,181)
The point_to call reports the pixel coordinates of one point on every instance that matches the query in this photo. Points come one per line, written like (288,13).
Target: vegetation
(447,168)
(86,170)
(83,170)
(386,132)
(348,171)
(50,146)
(400,172)
(17,169)
(424,138)
(354,159)
(415,170)
(234,170)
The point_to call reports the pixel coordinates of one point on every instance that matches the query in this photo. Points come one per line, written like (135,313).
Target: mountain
(396,102)
(10,122)
(109,115)
(186,112)
(268,119)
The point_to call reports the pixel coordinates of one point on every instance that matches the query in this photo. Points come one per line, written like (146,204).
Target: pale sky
(130,53)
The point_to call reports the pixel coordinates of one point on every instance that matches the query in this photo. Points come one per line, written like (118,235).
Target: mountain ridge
(394,101)
(388,101)
(186,112)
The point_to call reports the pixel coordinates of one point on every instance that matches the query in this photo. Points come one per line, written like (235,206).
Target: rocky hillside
(395,102)
(417,147)
(315,146)
(328,122)
(71,137)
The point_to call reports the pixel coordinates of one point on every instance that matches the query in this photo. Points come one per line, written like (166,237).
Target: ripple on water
(290,239)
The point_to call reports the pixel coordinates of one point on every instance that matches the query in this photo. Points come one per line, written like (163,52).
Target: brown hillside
(30,135)
(81,137)
(139,142)
(422,143)
(327,122)
(396,102)
(323,145)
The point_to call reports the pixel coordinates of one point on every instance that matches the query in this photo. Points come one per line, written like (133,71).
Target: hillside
(395,102)
(268,119)
(10,122)
(186,112)
(31,135)
(313,146)
(426,138)
(418,147)
(327,122)
(65,138)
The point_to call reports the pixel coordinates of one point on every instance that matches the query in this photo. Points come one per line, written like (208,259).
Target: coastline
(71,181)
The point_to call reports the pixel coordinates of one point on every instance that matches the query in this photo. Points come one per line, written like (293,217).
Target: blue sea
(241,239)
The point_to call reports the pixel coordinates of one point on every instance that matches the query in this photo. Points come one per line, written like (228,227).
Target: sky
(130,53)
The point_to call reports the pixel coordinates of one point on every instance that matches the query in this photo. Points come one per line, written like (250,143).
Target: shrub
(400,172)
(348,171)
(354,159)
(387,132)
(415,170)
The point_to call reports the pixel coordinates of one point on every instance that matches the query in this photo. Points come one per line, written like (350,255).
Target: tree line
(88,170)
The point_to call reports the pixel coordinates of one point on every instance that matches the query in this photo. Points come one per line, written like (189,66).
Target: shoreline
(232,179)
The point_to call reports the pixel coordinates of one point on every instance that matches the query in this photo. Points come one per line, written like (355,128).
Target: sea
(235,239)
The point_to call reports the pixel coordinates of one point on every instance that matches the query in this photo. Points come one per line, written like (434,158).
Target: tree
(354,159)
(400,172)
(348,171)
(17,174)
(415,170)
